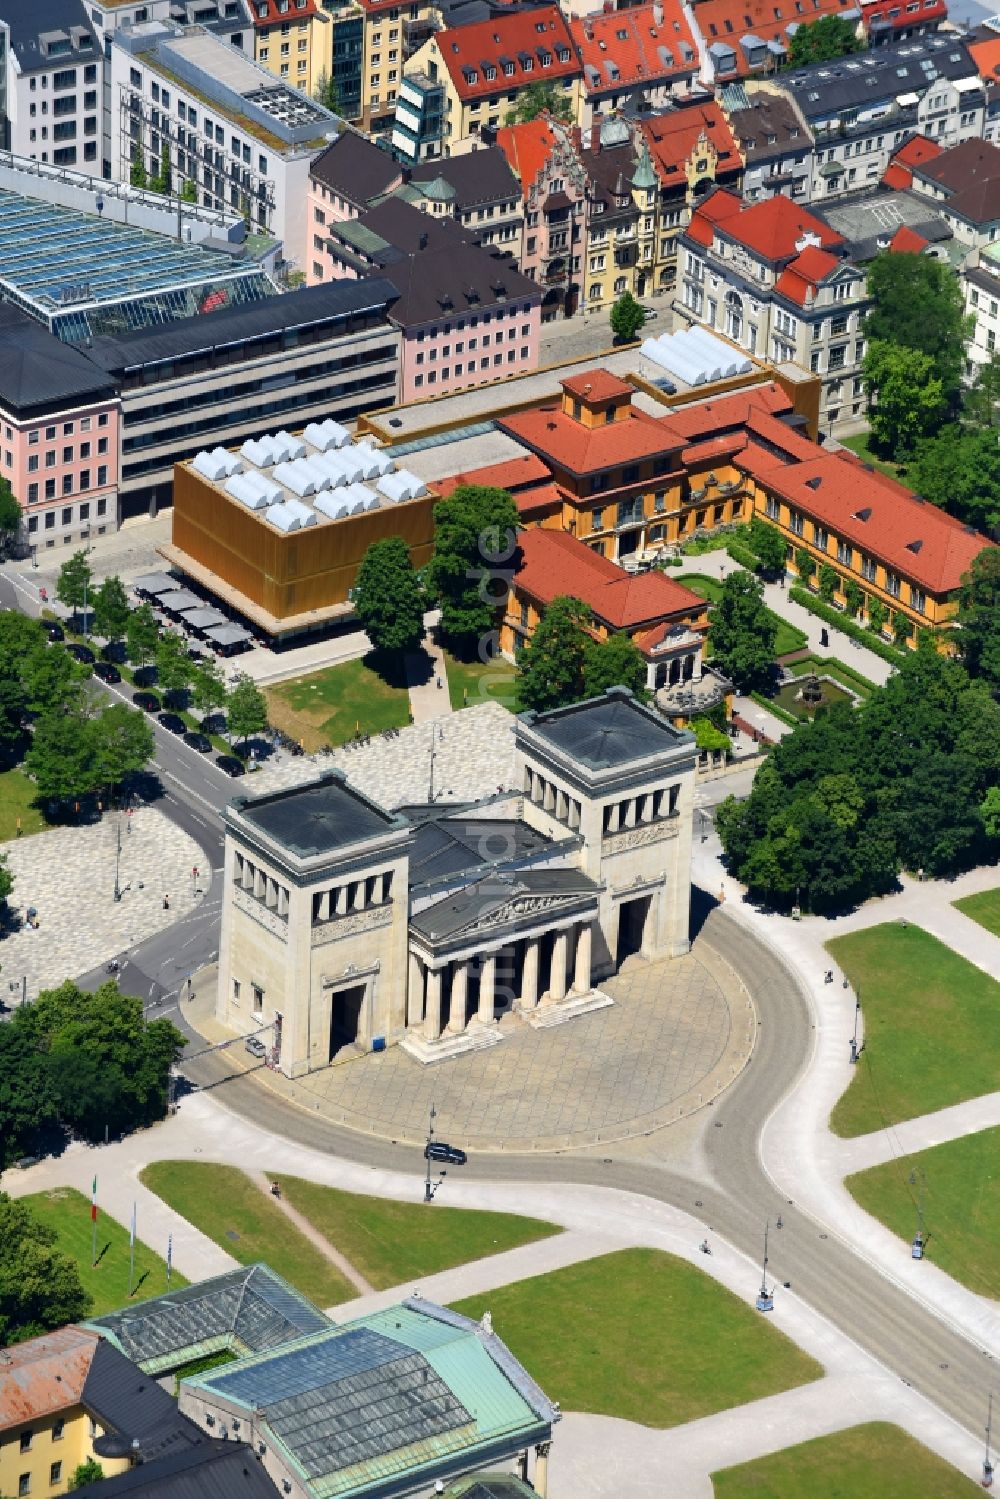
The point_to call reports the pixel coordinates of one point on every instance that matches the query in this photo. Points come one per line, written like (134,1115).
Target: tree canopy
(111,609)
(538,99)
(959,470)
(768,546)
(141,634)
(614,662)
(979,617)
(174,668)
(822,41)
(917,304)
(906,399)
(627,317)
(73,581)
(246,707)
(387,597)
(10,515)
(40,1287)
(552,665)
(847,800)
(742,632)
(475,543)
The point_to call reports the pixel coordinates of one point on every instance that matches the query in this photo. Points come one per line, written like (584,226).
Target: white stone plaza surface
(68,875)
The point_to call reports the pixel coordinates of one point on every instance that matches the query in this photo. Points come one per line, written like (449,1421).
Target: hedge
(775,710)
(743,555)
(843,622)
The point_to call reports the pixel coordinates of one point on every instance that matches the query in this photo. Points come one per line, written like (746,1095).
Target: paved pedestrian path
(592,1455)
(427,682)
(67,875)
(913,1135)
(262,1182)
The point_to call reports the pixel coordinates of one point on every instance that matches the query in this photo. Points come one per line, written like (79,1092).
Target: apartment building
(241,138)
(646,54)
(773,139)
(980,278)
(738,39)
(963,184)
(293,39)
(896,20)
(985,53)
(691,150)
(861,108)
(483,67)
(770,277)
(51,72)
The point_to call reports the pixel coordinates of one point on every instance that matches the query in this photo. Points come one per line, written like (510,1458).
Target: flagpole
(170,1256)
(131,1266)
(93,1224)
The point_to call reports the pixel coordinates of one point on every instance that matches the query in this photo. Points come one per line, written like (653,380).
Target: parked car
(23,1162)
(54,630)
(147,701)
(173,722)
(199,742)
(81,653)
(255,1046)
(107,671)
(230,765)
(440,1150)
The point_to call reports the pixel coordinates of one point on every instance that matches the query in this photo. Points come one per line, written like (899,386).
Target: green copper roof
(644,177)
(438,189)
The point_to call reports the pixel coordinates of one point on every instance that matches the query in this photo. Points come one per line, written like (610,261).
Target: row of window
(66,517)
(460,368)
(81,486)
(68,430)
(69,455)
(473,322)
(512,335)
(866,566)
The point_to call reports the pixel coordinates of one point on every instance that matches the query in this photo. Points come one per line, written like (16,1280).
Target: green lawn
(328,707)
(863,1462)
(931,1022)
(17,793)
(644,1336)
(829,666)
(984,908)
(389,1242)
(787,637)
(229,1208)
(68,1212)
(958,1187)
(472,682)
(859,444)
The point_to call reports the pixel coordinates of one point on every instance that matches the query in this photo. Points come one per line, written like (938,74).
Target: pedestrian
(166,902)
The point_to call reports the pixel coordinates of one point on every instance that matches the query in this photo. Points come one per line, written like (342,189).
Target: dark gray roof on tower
(607,732)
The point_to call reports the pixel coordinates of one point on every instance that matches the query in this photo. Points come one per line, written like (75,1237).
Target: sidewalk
(428,700)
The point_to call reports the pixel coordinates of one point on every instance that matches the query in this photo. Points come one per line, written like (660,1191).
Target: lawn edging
(843,622)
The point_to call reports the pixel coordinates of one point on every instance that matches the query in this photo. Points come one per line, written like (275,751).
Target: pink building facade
(343,180)
(473,348)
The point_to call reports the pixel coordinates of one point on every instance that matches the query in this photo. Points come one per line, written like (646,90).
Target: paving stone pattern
(669,1041)
(68,875)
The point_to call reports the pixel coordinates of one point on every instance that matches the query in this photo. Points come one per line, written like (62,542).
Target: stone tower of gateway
(347,927)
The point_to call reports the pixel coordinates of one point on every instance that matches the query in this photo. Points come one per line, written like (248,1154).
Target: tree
(902,629)
(979,618)
(551,666)
(742,632)
(84,1473)
(989,810)
(959,470)
(246,706)
(822,41)
(111,609)
(805,564)
(138,176)
(828,580)
(11,516)
(877,616)
(981,407)
(189,191)
(141,634)
(208,689)
(538,99)
(767,545)
(615,662)
(6,887)
(174,668)
(62,760)
(854,598)
(40,1287)
(73,582)
(627,317)
(917,304)
(906,400)
(325,93)
(51,679)
(387,597)
(475,542)
(123,744)
(163,182)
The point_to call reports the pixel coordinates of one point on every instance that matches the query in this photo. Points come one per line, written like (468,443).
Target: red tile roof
(717,208)
(673,137)
(729,20)
(272,15)
(897,177)
(45,1375)
(702,419)
(880,516)
(912,153)
(907,241)
(553,563)
(527,148)
(571,446)
(896,15)
(597,385)
(800,280)
(986,56)
(521,39)
(640,49)
(772,229)
(514,474)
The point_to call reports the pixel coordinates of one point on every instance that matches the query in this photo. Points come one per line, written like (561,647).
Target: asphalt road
(908,1338)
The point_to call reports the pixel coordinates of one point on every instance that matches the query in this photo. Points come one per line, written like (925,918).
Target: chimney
(595,134)
(422,242)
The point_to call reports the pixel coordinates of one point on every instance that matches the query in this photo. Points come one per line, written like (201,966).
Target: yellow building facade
(293,39)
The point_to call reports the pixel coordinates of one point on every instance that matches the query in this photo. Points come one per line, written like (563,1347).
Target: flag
(131,1237)
(93,1201)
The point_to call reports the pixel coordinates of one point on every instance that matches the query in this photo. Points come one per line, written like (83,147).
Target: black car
(199,742)
(173,722)
(106,671)
(147,701)
(54,630)
(81,653)
(230,765)
(440,1150)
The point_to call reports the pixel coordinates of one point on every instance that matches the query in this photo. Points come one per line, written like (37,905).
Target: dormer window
(540,27)
(489,74)
(562,53)
(508,69)
(545,58)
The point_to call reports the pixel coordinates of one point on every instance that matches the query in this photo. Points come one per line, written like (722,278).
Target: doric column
(415,992)
(357,895)
(557,979)
(542,1469)
(614,817)
(631,808)
(432,1020)
(459,997)
(323,906)
(529,978)
(646,808)
(340,900)
(487,988)
(584,947)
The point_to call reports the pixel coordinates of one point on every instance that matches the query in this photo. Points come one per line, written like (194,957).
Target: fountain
(803,698)
(811,692)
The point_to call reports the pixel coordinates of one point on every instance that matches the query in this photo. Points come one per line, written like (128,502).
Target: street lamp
(431,1187)
(118,858)
(854,1038)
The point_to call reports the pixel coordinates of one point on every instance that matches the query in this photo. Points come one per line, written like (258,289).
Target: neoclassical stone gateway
(347,927)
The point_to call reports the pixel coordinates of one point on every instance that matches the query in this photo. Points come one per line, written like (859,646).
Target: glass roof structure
(83,277)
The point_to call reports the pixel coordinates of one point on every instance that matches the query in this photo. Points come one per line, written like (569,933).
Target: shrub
(842,622)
